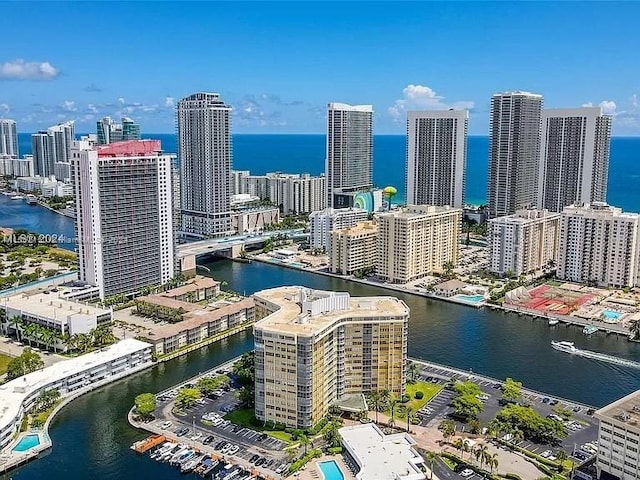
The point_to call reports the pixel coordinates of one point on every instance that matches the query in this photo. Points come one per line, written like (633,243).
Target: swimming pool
(27,443)
(330,470)
(471,298)
(611,315)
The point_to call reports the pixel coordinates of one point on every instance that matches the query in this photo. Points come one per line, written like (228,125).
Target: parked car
(467,472)
(166,425)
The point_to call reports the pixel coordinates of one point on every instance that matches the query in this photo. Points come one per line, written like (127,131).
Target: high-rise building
(52,150)
(416,241)
(322,222)
(574,157)
(110,132)
(514,150)
(313,348)
(524,242)
(599,246)
(436,157)
(618,439)
(11,166)
(124,224)
(42,156)
(204,150)
(349,158)
(8,138)
(353,249)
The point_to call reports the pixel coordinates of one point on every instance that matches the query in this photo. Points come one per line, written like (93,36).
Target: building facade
(124,224)
(619,439)
(8,138)
(599,246)
(353,249)
(204,150)
(514,150)
(525,242)
(416,241)
(314,348)
(574,157)
(11,166)
(110,132)
(349,158)
(51,150)
(436,157)
(322,222)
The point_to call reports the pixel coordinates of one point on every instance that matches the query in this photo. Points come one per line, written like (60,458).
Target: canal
(91,436)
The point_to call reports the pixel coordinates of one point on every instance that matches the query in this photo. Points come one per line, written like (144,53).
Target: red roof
(129,148)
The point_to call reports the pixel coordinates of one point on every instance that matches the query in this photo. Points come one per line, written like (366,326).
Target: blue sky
(278,64)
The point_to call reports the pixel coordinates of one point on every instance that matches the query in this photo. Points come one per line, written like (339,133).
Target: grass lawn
(245,418)
(4,362)
(428,389)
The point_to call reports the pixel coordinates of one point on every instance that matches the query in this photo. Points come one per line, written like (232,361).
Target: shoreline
(520,311)
(59,212)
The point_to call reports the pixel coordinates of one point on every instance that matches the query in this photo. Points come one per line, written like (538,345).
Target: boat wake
(568,347)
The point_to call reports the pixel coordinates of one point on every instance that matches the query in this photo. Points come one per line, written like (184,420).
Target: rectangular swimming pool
(471,298)
(27,443)
(611,315)
(330,470)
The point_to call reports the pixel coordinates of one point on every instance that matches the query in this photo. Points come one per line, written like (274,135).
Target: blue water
(27,443)
(471,298)
(330,470)
(287,153)
(612,315)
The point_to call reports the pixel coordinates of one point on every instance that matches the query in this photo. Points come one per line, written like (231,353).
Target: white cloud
(91,108)
(608,106)
(69,106)
(634,101)
(169,102)
(421,97)
(4,109)
(21,70)
(121,101)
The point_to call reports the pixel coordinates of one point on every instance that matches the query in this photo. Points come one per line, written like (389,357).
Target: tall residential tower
(204,150)
(349,157)
(8,138)
(436,157)
(110,132)
(514,149)
(52,151)
(574,157)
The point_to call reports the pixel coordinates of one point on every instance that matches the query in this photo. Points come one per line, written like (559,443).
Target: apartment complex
(514,150)
(109,131)
(416,241)
(314,348)
(349,159)
(8,138)
(436,157)
(322,222)
(619,439)
(69,377)
(204,150)
(124,224)
(51,151)
(574,157)
(599,245)
(46,186)
(11,166)
(524,242)
(353,249)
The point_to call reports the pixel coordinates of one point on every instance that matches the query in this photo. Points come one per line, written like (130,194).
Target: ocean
(306,153)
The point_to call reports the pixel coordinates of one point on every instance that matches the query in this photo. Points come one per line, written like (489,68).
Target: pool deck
(312,470)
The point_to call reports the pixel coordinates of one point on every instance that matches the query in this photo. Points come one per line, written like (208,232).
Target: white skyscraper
(322,222)
(52,150)
(514,150)
(349,157)
(436,157)
(204,150)
(574,157)
(124,224)
(8,138)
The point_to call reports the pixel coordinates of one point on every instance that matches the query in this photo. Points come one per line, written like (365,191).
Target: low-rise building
(11,166)
(48,187)
(315,348)
(619,439)
(194,290)
(321,224)
(353,249)
(524,242)
(377,456)
(69,377)
(450,288)
(254,220)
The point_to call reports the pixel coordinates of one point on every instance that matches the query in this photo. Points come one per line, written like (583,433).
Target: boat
(553,321)
(185,457)
(32,199)
(192,463)
(167,446)
(589,329)
(183,449)
(209,467)
(17,197)
(568,347)
(167,455)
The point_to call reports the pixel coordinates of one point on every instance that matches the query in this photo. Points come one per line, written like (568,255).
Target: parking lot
(582,430)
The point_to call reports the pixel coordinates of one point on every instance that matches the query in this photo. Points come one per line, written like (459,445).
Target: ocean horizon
(305,153)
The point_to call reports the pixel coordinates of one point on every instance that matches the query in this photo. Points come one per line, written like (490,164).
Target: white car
(467,472)
(166,425)
(197,436)
(233,450)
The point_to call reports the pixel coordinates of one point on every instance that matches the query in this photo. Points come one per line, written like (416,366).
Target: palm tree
(431,458)
(494,461)
(448,428)
(305,442)
(385,396)
(48,337)
(16,324)
(466,447)
(481,451)
(457,444)
(393,403)
(413,371)
(411,414)
(376,401)
(30,332)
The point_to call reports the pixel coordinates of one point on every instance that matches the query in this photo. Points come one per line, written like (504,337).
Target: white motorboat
(553,321)
(568,347)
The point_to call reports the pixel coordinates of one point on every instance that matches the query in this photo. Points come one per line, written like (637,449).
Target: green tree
(47,398)
(467,406)
(187,397)
(467,388)
(393,403)
(305,442)
(27,362)
(145,404)
(246,395)
(511,390)
(331,435)
(448,429)
(376,402)
(411,415)
(207,385)
(430,457)
(413,371)
(447,269)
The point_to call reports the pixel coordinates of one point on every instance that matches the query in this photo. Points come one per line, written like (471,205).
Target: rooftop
(198,283)
(164,301)
(625,410)
(380,456)
(358,229)
(451,285)
(51,306)
(288,318)
(417,211)
(13,393)
(129,148)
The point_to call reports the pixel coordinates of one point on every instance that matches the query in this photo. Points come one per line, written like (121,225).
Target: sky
(279,64)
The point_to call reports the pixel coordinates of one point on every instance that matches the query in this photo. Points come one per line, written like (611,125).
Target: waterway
(91,436)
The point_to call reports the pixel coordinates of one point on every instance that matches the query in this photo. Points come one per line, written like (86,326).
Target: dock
(148,443)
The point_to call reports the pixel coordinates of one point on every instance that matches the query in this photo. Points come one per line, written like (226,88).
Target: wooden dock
(148,443)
